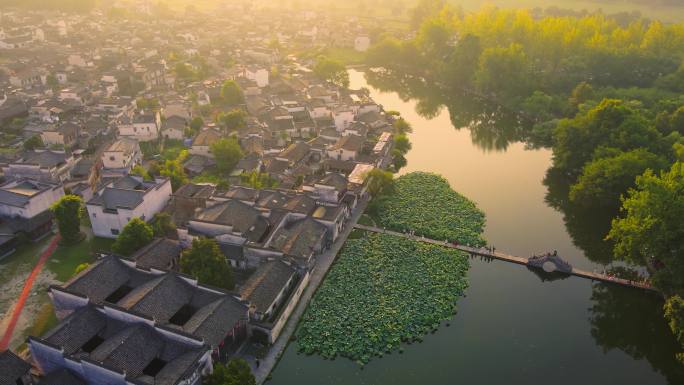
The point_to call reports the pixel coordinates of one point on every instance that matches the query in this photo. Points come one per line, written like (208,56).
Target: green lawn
(66,258)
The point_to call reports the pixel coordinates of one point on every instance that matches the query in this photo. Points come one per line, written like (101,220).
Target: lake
(514,326)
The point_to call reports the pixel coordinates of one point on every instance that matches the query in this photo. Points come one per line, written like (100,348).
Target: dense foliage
(227,152)
(237,372)
(133,237)
(426,204)
(207,264)
(332,71)
(382,291)
(67,211)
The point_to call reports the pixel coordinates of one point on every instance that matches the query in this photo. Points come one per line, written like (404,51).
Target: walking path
(19,306)
(323,263)
(484,252)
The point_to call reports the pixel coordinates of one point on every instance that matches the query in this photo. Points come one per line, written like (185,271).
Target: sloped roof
(206,137)
(264,285)
(242,217)
(127,347)
(12,368)
(299,238)
(160,254)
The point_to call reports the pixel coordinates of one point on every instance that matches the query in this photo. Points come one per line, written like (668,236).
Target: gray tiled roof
(158,297)
(45,159)
(162,254)
(114,198)
(12,368)
(299,238)
(61,377)
(263,287)
(243,217)
(125,346)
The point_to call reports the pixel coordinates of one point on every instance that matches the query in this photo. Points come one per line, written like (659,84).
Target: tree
(611,124)
(379,181)
(402,143)
(237,372)
(135,235)
(604,180)
(651,231)
(139,170)
(504,71)
(52,82)
(207,264)
(231,93)
(196,123)
(425,9)
(332,71)
(674,314)
(67,211)
(163,226)
(401,126)
(232,120)
(173,169)
(227,153)
(33,142)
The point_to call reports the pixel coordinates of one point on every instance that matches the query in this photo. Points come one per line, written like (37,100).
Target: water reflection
(493,128)
(631,320)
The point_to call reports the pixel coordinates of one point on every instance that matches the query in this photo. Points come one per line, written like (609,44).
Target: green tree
(139,170)
(379,181)
(237,372)
(611,124)
(232,120)
(135,235)
(173,169)
(227,153)
(674,314)
(504,71)
(67,211)
(52,82)
(401,126)
(33,142)
(196,123)
(402,143)
(332,71)
(163,226)
(651,231)
(604,180)
(231,93)
(207,264)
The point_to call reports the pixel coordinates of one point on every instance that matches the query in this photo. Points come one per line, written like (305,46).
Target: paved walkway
(323,263)
(481,251)
(4,343)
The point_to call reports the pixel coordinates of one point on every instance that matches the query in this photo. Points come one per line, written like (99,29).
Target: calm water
(512,327)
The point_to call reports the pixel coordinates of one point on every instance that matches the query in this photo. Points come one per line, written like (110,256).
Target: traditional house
(120,157)
(347,147)
(41,165)
(126,198)
(201,145)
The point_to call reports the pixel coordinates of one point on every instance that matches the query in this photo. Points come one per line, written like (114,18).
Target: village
(219,134)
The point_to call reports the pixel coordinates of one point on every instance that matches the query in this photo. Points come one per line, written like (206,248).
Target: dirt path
(19,306)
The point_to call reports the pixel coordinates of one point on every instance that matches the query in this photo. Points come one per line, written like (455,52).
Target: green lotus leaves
(425,203)
(384,291)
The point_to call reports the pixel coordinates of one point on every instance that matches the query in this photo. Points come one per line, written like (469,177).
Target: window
(118,294)
(183,315)
(92,344)
(94,215)
(115,232)
(112,158)
(154,367)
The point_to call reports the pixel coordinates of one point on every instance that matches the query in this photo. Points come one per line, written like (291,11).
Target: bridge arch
(550,263)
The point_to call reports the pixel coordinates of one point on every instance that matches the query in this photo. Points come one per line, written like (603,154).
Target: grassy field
(65,259)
